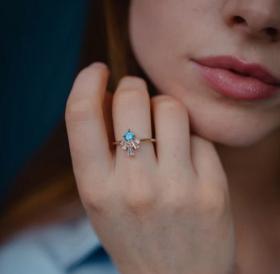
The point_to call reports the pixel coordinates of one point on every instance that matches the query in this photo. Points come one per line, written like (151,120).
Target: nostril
(273,32)
(238,20)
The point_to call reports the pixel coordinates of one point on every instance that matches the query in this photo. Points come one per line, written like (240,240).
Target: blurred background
(43,46)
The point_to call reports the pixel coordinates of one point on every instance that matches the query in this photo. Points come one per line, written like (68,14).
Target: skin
(245,130)
(214,172)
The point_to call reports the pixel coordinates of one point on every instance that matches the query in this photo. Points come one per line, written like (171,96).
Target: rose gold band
(141,140)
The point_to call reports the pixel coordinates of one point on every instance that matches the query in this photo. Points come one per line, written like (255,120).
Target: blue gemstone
(128,136)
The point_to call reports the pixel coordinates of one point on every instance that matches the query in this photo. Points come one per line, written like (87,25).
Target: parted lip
(240,67)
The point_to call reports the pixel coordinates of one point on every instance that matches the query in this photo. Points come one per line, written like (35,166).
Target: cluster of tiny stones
(130,143)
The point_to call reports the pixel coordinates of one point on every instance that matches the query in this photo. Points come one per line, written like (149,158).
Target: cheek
(155,37)
(162,46)
(164,34)
(144,30)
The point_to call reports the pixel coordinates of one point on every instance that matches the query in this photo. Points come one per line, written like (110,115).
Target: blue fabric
(39,58)
(67,248)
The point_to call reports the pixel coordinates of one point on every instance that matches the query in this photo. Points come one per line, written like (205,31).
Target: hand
(161,211)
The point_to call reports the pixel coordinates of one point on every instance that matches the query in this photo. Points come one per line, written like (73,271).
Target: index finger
(87,134)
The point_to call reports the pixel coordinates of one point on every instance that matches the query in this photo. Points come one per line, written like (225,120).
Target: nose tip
(261,21)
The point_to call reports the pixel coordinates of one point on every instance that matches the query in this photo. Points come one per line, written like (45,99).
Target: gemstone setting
(129,135)
(129,142)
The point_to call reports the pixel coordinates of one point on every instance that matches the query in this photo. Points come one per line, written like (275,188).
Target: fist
(164,210)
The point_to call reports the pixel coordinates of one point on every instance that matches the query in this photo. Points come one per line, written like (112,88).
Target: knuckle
(139,202)
(176,202)
(132,86)
(132,94)
(178,199)
(79,110)
(96,203)
(79,106)
(213,202)
(168,102)
(161,97)
(130,99)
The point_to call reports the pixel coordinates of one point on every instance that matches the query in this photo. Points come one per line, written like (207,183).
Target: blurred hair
(45,191)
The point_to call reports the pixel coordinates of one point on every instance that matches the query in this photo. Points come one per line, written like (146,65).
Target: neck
(253,172)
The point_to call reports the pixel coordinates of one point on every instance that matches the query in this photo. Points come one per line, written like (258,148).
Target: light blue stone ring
(130,143)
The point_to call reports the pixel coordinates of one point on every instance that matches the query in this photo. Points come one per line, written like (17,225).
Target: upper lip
(239,66)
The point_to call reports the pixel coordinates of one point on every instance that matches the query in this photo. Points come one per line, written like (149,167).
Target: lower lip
(236,86)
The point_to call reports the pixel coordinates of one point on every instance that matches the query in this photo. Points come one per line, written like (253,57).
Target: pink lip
(237,79)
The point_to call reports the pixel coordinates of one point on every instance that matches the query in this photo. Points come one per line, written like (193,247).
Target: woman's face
(169,37)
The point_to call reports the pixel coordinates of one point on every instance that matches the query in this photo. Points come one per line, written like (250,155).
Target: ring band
(142,140)
(130,142)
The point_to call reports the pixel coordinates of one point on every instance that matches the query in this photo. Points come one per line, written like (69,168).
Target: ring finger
(131,110)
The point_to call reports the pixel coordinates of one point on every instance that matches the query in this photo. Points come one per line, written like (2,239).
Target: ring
(130,142)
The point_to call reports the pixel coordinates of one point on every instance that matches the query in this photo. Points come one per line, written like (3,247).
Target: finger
(85,123)
(172,132)
(206,160)
(131,110)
